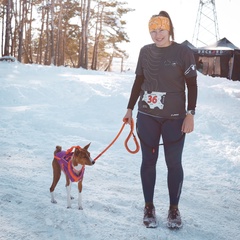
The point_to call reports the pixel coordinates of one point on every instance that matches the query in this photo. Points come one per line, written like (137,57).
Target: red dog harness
(64,159)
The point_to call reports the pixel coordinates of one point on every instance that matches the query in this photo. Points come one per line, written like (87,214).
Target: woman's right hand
(128,116)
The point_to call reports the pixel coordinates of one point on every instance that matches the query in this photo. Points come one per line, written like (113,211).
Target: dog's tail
(58,149)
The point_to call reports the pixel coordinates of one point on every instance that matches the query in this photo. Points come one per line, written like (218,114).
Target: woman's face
(161,37)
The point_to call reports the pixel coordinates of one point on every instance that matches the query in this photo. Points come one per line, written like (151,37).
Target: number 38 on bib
(154,99)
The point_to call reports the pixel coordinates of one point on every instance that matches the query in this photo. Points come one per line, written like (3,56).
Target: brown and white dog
(73,165)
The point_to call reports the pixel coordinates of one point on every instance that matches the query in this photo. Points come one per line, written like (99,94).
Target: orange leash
(125,142)
(134,138)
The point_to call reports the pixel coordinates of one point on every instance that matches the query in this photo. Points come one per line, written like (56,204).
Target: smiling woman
(164,69)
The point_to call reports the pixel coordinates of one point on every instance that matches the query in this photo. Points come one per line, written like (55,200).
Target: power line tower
(206,27)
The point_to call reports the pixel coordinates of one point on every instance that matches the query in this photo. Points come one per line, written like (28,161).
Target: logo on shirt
(174,114)
(170,63)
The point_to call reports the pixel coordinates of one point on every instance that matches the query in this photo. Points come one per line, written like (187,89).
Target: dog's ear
(87,146)
(76,152)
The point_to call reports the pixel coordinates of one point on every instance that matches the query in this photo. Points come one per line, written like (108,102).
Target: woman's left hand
(188,124)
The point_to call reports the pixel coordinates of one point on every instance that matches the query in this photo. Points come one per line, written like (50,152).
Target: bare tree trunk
(64,44)
(8,28)
(47,40)
(97,38)
(85,15)
(121,64)
(83,38)
(2,36)
(29,35)
(22,7)
(52,32)
(39,49)
(59,40)
(108,68)
(86,34)
(94,55)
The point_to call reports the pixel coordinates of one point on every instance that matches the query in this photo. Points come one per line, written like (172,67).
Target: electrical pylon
(206,27)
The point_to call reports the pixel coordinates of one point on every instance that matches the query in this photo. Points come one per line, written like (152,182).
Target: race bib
(154,99)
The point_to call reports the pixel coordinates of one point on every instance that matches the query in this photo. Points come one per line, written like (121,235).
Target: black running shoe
(174,220)
(149,218)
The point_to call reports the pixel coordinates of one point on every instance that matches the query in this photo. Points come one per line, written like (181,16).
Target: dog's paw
(53,201)
(80,208)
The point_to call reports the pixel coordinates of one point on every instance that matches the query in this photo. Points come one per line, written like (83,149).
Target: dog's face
(82,156)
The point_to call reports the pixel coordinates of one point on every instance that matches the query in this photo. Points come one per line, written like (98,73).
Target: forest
(75,33)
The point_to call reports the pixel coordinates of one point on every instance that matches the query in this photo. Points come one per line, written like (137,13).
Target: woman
(164,69)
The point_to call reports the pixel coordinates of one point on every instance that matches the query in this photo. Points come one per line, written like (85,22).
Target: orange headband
(159,22)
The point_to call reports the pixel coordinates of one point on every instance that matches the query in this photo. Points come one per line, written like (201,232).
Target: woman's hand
(128,116)
(188,124)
